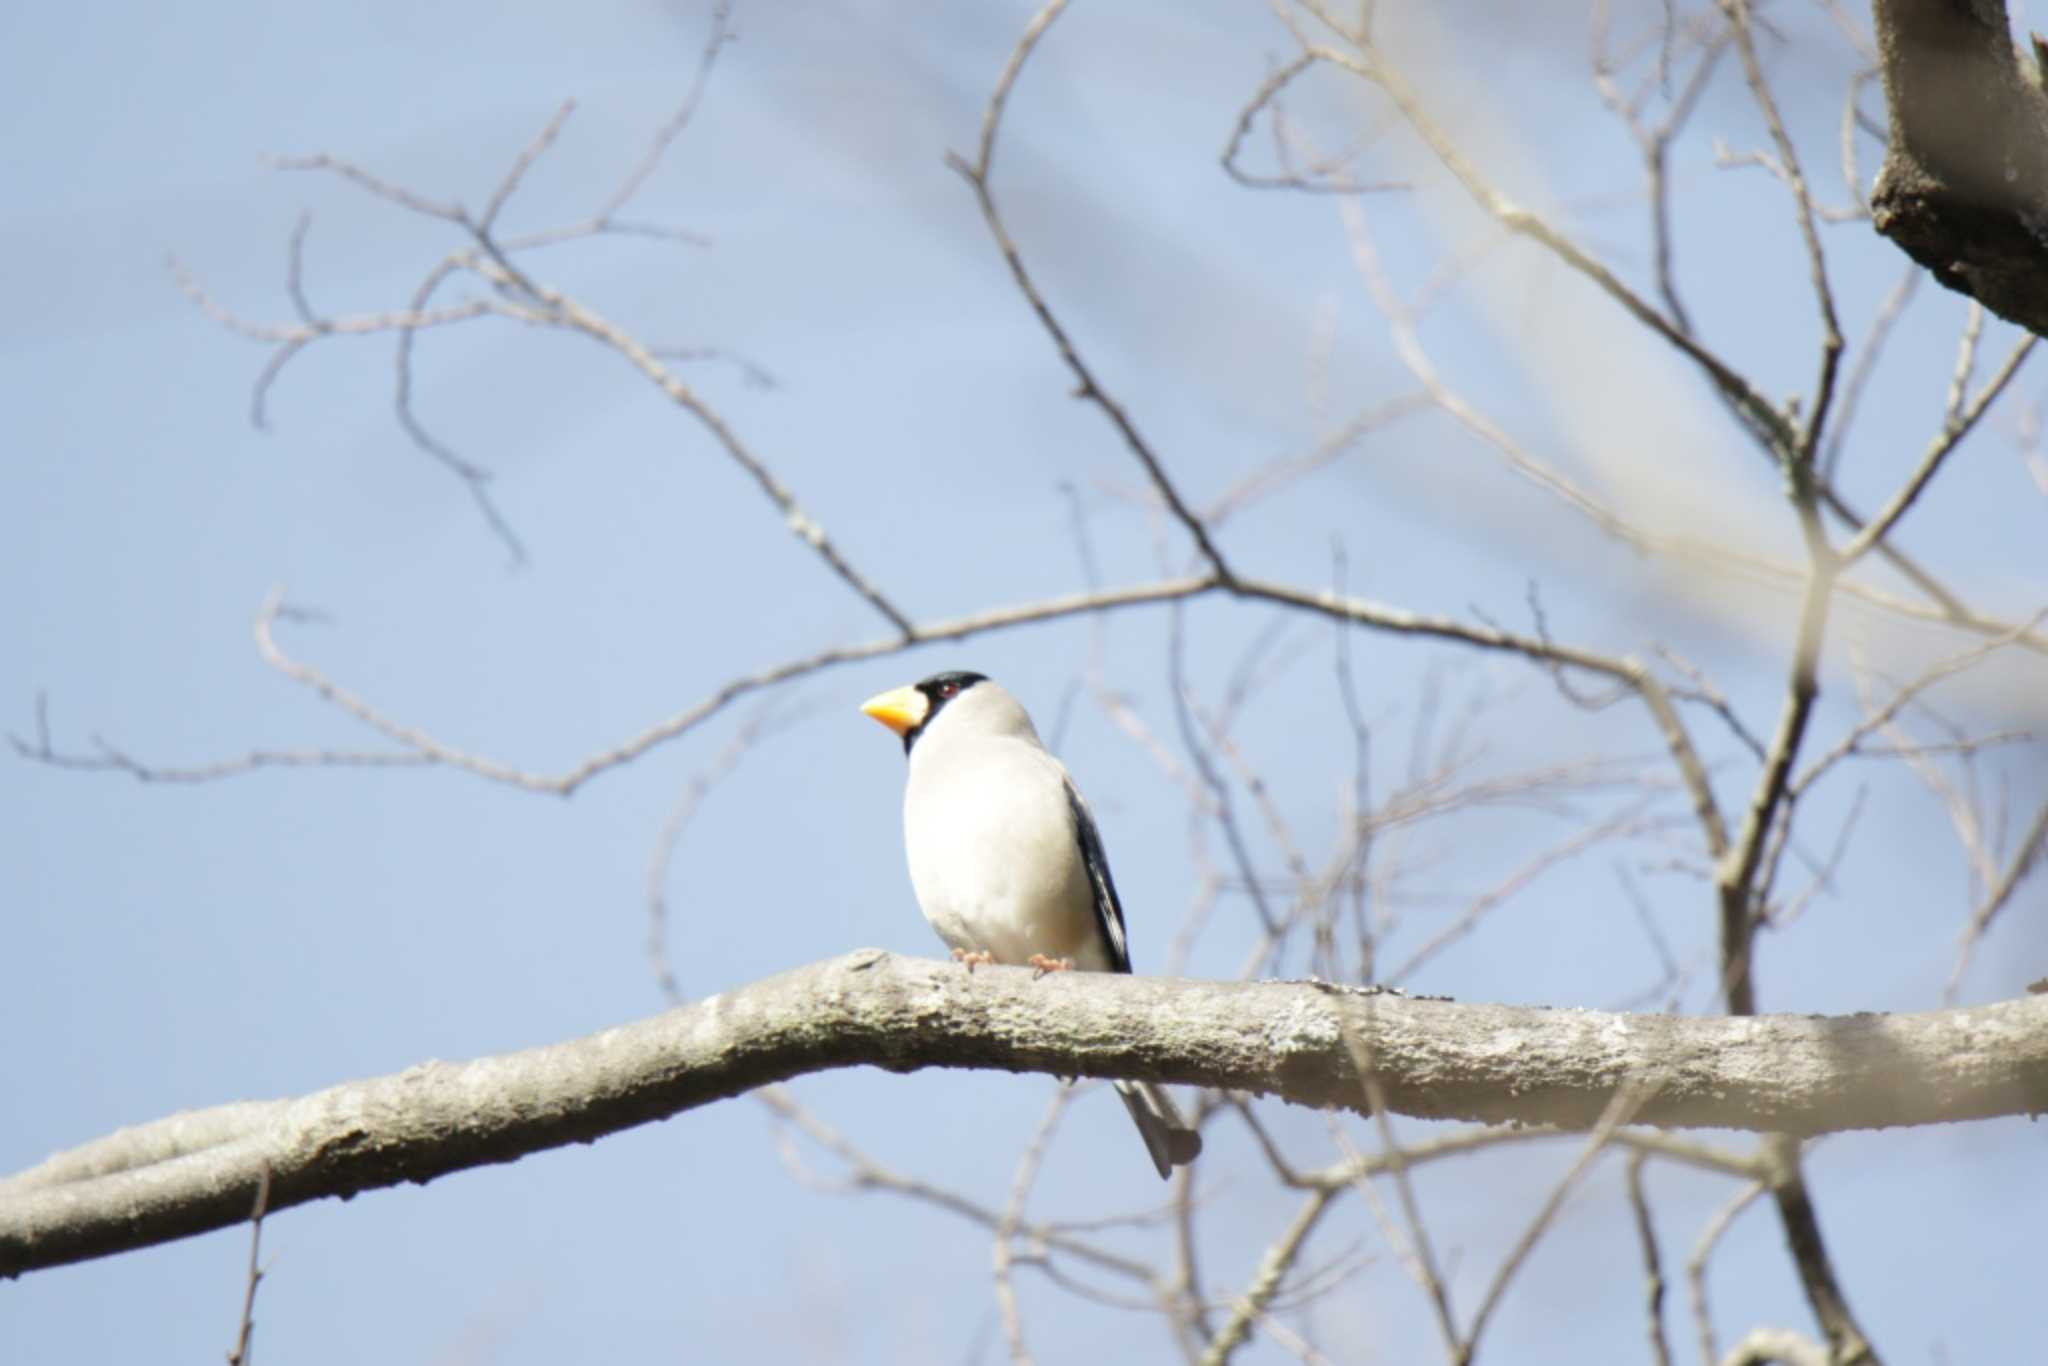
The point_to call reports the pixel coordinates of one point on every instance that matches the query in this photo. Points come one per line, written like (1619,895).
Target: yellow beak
(900,709)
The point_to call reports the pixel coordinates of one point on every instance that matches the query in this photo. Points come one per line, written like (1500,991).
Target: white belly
(996,865)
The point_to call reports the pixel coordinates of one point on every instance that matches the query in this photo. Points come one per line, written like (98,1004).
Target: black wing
(1109,912)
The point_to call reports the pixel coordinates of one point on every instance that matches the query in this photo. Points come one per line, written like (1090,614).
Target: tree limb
(1964,186)
(1435,1059)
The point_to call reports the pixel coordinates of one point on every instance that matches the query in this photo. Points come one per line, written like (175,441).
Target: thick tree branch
(1964,186)
(1299,1041)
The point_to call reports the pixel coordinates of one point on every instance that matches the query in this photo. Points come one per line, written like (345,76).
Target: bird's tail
(1167,1137)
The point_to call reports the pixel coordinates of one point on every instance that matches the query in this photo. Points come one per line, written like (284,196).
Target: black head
(908,710)
(938,690)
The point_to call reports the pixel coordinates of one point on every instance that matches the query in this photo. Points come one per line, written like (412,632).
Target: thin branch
(1756,411)
(1804,455)
(1846,1341)
(1966,363)
(1867,355)
(1963,807)
(475,478)
(295,270)
(1653,1267)
(521,164)
(1624,822)
(108,758)
(1701,689)
(1800,460)
(447,211)
(1000,1249)
(1276,475)
(1735,874)
(1279,1258)
(1627,1102)
(238,1355)
(487,254)
(1654,141)
(1824,873)
(579,317)
(429,750)
(1188,1308)
(1955,426)
(1879,718)
(1696,1264)
(1677,740)
(2022,862)
(977,174)
(1407,338)
(1218,800)
(700,785)
(720,34)
(310,329)
(866,1174)
(1320,180)
(422,747)
(1413,1246)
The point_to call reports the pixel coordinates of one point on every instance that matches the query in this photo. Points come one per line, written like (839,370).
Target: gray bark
(1302,1042)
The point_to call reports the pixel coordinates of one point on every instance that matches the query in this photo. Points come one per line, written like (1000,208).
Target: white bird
(1005,859)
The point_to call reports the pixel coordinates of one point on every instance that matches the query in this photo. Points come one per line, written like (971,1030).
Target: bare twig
(487,254)
(1701,689)
(1000,1249)
(1823,872)
(521,164)
(720,34)
(1628,1099)
(2022,862)
(1702,1250)
(1817,411)
(1879,718)
(1329,179)
(748,734)
(1414,1245)
(1867,355)
(976,173)
(239,1354)
(1653,1267)
(1654,141)
(1956,425)
(1276,475)
(1250,1307)
(1847,1345)
(1735,874)
(867,1174)
(1218,799)
(1628,820)
(1368,63)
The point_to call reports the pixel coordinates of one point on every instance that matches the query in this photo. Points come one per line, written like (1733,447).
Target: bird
(1005,859)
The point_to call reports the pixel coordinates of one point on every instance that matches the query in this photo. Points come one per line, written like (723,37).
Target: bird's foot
(974,958)
(1045,965)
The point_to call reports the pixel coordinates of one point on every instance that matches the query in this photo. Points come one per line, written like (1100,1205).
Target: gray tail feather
(1167,1137)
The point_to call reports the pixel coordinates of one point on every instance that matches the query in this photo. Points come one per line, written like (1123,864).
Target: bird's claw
(974,958)
(1044,965)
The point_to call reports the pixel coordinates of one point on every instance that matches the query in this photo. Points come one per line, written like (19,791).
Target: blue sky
(177,946)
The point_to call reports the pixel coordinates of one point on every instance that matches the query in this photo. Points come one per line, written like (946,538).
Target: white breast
(993,854)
